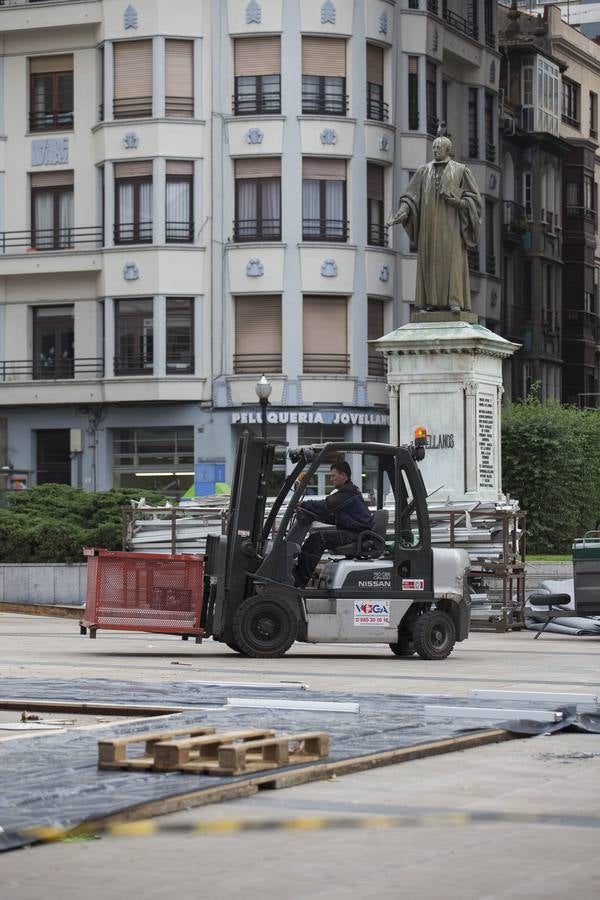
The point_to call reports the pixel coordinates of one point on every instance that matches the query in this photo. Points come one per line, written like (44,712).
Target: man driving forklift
(343,508)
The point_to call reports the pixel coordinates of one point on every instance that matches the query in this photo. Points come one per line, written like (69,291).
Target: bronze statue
(441,212)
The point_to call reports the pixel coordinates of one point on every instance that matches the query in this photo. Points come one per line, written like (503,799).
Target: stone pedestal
(447,377)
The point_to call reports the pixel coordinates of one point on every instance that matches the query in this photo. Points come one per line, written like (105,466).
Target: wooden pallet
(112,754)
(203,751)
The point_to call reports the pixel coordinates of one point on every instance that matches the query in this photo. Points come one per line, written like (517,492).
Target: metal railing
(433,6)
(377,234)
(325,230)
(256,230)
(180,364)
(474,261)
(179,232)
(132,107)
(473,148)
(50,120)
(134,364)
(432,125)
(490,264)
(377,109)
(376,365)
(514,217)
(252,363)
(51,369)
(260,103)
(321,103)
(133,233)
(490,38)
(179,106)
(460,24)
(581,212)
(326,363)
(490,151)
(37,240)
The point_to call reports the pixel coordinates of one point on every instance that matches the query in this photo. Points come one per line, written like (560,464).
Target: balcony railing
(473,257)
(324,230)
(490,151)
(460,24)
(316,102)
(490,38)
(514,218)
(377,109)
(133,233)
(432,6)
(473,148)
(376,365)
(179,106)
(132,107)
(134,364)
(257,104)
(257,230)
(581,212)
(179,232)
(181,364)
(51,369)
(490,264)
(252,363)
(377,235)
(432,125)
(326,363)
(43,239)
(50,120)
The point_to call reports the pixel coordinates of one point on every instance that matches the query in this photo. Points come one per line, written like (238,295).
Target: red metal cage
(144,592)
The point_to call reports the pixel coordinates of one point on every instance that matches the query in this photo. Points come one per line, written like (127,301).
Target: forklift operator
(344,508)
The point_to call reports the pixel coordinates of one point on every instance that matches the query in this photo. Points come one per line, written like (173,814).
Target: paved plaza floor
(446,854)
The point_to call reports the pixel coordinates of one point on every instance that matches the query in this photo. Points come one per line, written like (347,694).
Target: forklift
(388,586)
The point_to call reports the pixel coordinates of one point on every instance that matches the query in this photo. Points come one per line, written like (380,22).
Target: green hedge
(52,523)
(551,464)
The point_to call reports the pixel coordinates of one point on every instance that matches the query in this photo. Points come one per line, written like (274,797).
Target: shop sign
(310,417)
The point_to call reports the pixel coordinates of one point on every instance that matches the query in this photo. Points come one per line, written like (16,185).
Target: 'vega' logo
(372,609)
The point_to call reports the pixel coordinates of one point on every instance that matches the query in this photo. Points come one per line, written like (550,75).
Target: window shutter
(324,168)
(324,56)
(43,65)
(179,75)
(325,326)
(374,64)
(257,56)
(180,167)
(51,179)
(133,69)
(413,65)
(141,168)
(375,320)
(261,167)
(258,333)
(375,182)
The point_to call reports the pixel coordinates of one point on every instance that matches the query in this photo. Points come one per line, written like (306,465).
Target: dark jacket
(344,508)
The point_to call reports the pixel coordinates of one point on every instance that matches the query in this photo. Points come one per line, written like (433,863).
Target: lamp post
(263,388)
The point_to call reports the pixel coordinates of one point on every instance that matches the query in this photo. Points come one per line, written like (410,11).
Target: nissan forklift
(388,586)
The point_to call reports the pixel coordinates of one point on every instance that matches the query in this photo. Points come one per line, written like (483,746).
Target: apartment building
(193,194)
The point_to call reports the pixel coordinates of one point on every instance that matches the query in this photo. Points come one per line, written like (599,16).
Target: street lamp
(263,388)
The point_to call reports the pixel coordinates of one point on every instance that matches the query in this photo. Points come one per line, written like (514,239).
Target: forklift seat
(368,544)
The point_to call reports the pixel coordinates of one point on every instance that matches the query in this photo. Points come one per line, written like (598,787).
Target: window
(53,342)
(180,335)
(179,216)
(593,113)
(375,329)
(528,195)
(324,200)
(574,198)
(376,228)
(570,103)
(488,19)
(490,243)
(52,210)
(540,82)
(431,98)
(133,203)
(325,336)
(257,66)
(157,459)
(53,457)
(589,197)
(257,200)
(413,93)
(134,337)
(50,93)
(527,378)
(179,78)
(324,76)
(132,79)
(257,335)
(490,130)
(473,123)
(376,108)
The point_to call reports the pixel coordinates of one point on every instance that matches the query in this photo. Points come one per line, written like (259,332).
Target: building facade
(193,194)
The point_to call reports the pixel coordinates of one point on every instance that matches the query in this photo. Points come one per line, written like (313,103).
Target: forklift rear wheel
(434,635)
(403,647)
(265,627)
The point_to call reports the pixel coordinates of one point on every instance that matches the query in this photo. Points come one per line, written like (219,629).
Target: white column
(198,104)
(108,81)
(158,77)
(109,337)
(198,335)
(160,336)
(394,418)
(109,204)
(2,101)
(159,174)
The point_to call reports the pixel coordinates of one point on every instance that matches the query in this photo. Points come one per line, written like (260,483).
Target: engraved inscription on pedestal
(485,423)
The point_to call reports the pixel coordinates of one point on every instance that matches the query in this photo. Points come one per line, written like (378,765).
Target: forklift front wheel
(265,627)
(434,635)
